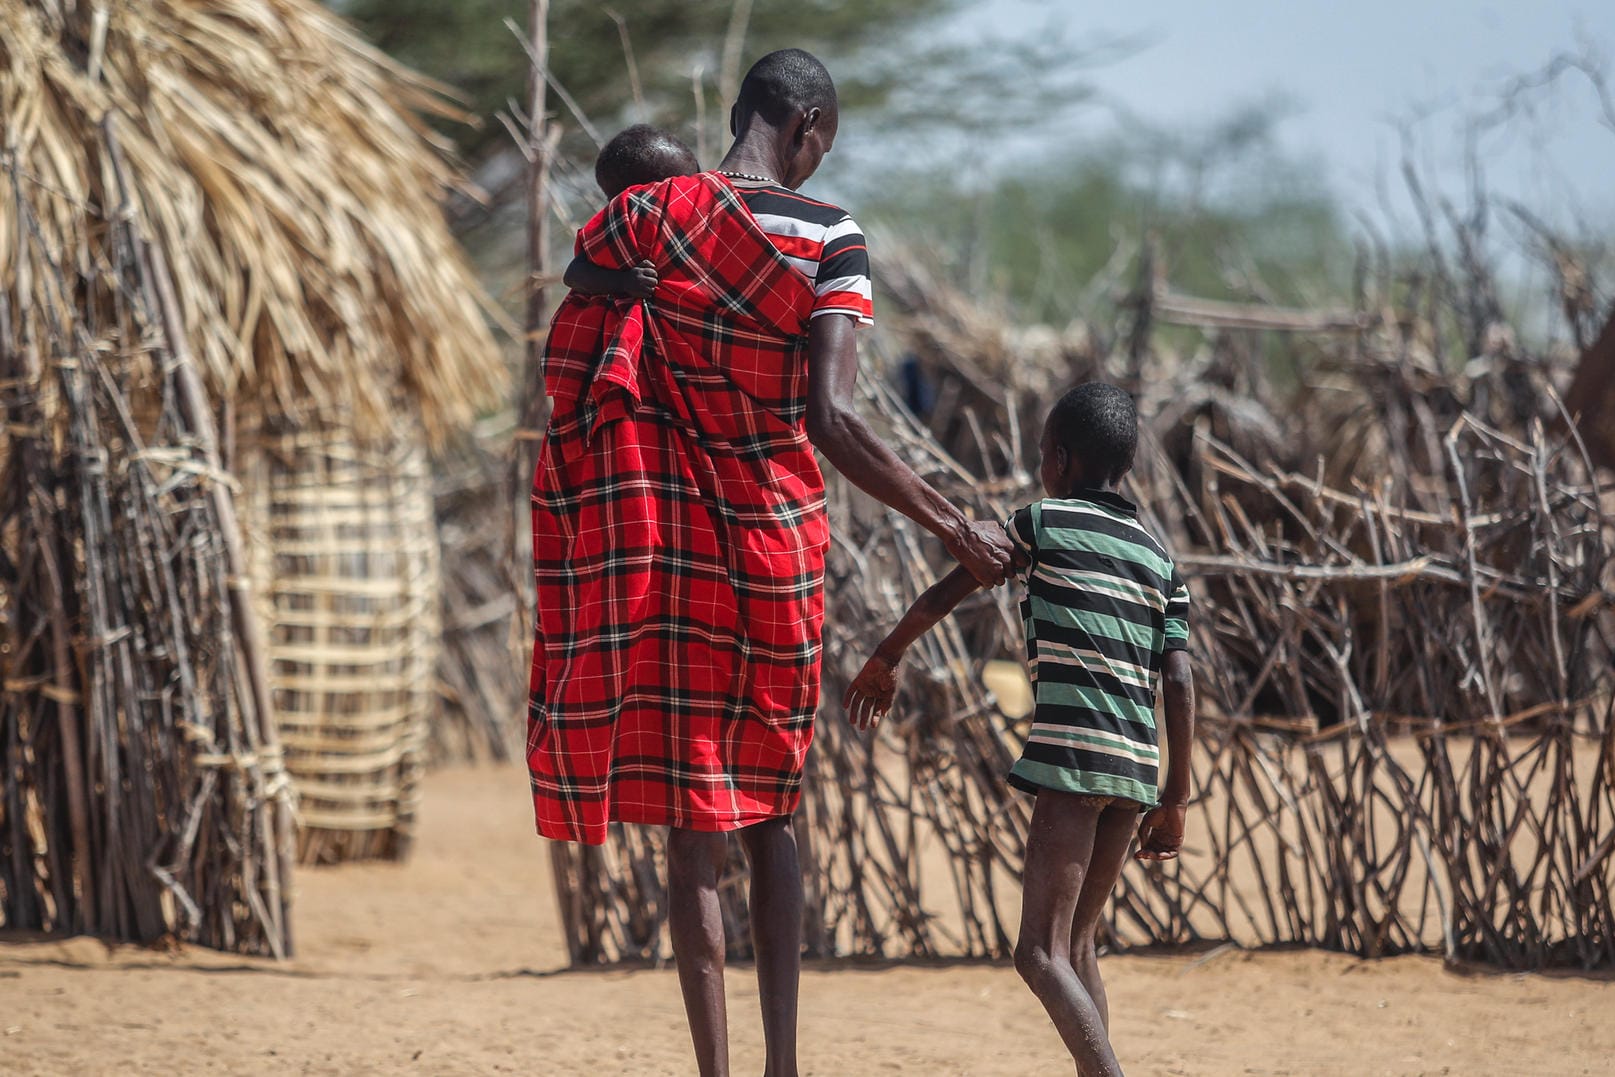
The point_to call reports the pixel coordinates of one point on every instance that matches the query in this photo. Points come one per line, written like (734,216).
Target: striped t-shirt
(1103,604)
(821,240)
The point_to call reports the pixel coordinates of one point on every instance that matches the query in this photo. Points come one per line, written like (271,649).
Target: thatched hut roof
(282,166)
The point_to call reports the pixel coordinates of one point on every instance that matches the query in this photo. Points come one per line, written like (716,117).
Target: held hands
(985,550)
(870,694)
(642,279)
(1160,833)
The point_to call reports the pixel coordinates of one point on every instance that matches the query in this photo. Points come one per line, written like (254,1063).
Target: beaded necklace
(748,176)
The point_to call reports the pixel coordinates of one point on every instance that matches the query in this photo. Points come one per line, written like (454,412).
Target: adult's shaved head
(783,85)
(784,119)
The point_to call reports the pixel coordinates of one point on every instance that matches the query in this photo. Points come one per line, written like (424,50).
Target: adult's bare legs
(776,935)
(1113,836)
(1058,849)
(695,863)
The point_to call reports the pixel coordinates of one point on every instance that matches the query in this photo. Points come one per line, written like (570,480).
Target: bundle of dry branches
(1405,739)
(1403,656)
(480,700)
(144,793)
(279,170)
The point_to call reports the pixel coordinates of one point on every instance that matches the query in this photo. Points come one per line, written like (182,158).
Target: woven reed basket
(345,562)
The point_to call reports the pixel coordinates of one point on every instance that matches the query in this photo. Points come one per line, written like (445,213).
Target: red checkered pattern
(679,530)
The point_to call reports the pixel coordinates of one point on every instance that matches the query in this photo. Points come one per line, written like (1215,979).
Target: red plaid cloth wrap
(679,530)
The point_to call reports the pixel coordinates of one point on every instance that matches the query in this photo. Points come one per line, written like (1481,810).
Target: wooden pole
(734,39)
(532,408)
(1173,308)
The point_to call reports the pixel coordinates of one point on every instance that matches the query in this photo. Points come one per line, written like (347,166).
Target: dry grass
(282,166)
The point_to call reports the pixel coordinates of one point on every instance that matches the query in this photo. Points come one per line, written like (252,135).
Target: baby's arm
(870,694)
(584,276)
(1160,834)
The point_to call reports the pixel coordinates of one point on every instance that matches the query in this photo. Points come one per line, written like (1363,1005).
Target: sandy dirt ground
(450,964)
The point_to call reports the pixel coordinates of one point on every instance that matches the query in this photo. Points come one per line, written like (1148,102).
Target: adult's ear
(734,120)
(808,124)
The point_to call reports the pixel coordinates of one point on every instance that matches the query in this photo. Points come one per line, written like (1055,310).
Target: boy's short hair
(1098,424)
(641,154)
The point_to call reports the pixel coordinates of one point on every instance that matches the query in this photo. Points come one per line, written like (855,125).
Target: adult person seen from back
(679,530)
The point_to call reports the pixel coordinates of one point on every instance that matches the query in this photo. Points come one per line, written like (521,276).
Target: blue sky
(1349,71)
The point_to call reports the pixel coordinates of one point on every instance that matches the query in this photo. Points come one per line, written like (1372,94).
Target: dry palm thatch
(266,236)
(282,167)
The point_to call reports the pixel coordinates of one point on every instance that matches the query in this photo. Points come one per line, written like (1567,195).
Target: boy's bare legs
(1113,836)
(1058,850)
(776,934)
(694,866)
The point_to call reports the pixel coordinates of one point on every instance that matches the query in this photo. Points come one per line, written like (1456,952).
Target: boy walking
(1106,619)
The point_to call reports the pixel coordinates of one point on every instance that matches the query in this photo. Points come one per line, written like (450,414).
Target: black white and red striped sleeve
(842,284)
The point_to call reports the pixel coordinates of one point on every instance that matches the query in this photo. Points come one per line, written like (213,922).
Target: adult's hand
(984,549)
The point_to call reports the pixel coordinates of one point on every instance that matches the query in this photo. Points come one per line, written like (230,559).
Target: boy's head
(1089,439)
(641,154)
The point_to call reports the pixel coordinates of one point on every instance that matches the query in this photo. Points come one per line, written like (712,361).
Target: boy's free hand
(642,279)
(1160,833)
(870,694)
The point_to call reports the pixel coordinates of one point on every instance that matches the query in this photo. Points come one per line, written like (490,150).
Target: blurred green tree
(467,45)
(974,152)
(1231,216)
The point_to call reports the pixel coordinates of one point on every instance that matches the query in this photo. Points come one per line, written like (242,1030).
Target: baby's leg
(1113,836)
(1058,849)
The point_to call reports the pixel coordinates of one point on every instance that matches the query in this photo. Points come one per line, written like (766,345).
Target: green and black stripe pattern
(1103,604)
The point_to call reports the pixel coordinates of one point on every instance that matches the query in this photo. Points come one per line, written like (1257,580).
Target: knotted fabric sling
(679,530)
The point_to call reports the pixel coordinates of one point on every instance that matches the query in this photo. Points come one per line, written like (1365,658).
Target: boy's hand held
(1160,833)
(985,550)
(870,694)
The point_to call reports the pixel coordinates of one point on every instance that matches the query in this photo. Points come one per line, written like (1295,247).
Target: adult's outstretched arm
(840,433)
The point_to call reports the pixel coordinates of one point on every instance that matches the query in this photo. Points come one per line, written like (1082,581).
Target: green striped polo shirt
(1103,604)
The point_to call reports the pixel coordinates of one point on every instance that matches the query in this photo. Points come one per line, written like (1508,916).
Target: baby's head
(1089,439)
(641,154)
